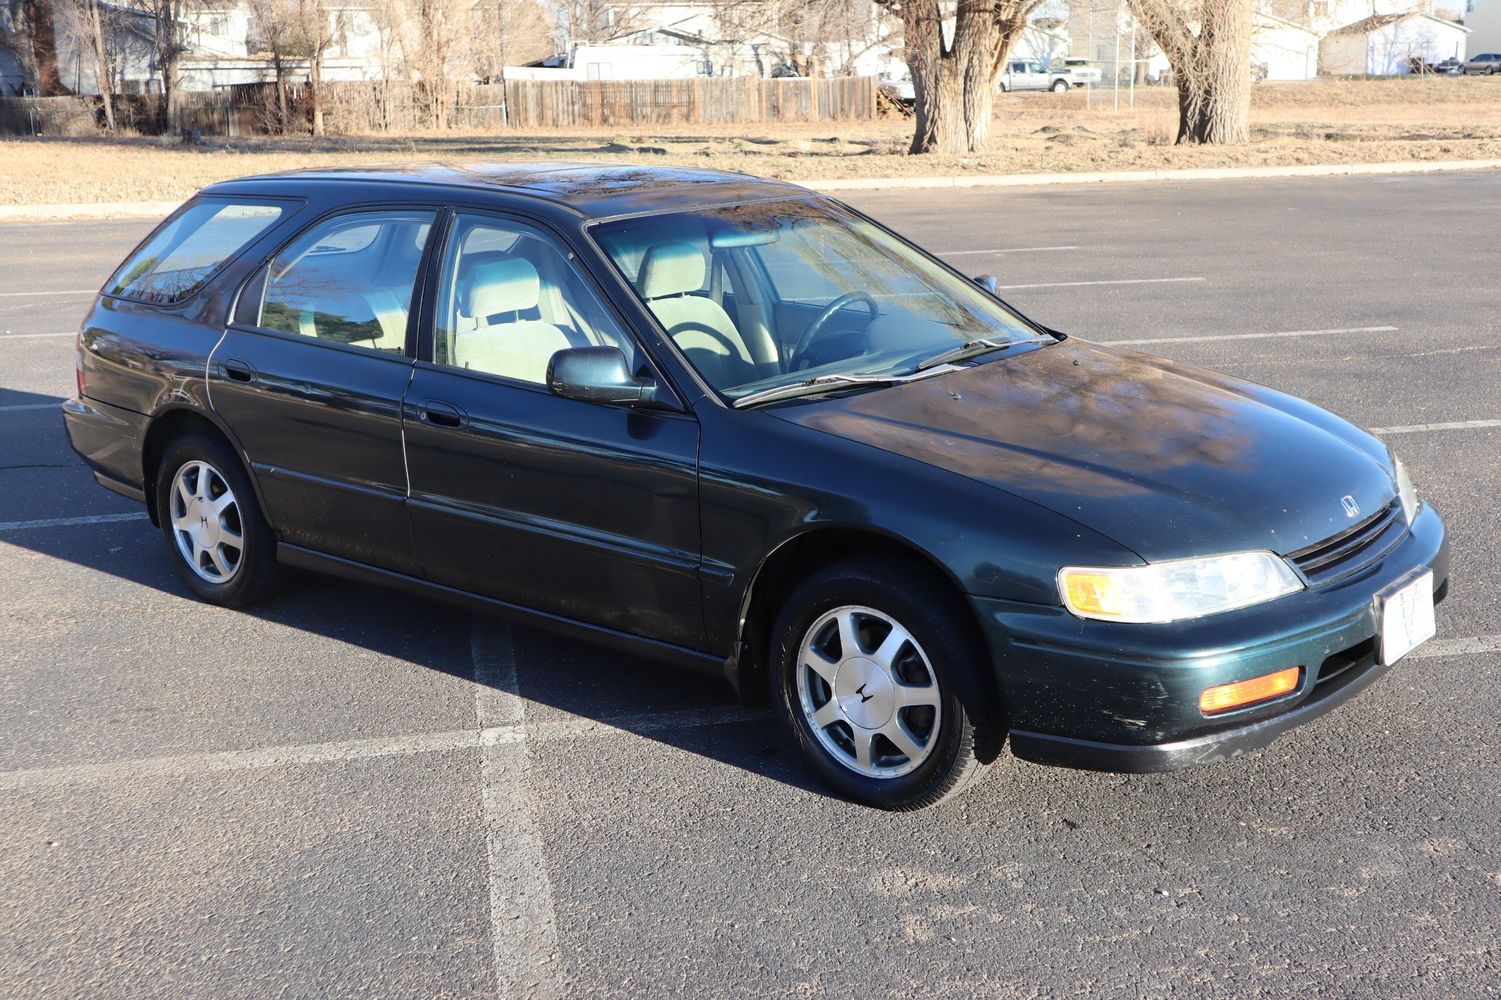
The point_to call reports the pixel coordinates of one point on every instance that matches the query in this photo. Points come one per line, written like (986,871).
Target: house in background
(1483,18)
(1387,44)
(221,48)
(684,40)
(1283,49)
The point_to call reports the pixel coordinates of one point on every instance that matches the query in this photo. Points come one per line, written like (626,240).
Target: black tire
(922,605)
(1060,87)
(255,574)
(1004,88)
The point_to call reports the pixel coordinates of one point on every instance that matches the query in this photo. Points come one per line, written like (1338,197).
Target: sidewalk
(158,209)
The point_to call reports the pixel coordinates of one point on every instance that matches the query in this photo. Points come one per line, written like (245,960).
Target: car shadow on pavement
(563,680)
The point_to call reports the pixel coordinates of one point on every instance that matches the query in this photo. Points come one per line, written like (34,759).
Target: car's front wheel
(215,534)
(1060,86)
(871,675)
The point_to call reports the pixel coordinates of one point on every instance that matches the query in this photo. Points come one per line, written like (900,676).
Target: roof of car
(594,190)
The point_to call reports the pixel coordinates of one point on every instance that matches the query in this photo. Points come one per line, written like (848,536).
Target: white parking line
(37,336)
(68,522)
(1458,647)
(1248,336)
(30,406)
(1117,281)
(66,291)
(523,922)
(1453,425)
(975,253)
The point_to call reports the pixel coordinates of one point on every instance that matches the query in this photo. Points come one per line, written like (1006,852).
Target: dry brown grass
(1324,121)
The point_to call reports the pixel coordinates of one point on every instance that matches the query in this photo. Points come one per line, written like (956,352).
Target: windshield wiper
(827,383)
(965,351)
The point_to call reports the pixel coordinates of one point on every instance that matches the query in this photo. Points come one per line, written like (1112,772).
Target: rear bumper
(109,439)
(1110,697)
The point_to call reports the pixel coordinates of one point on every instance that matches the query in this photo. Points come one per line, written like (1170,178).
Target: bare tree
(29,35)
(1208,44)
(955,51)
(271,32)
(510,33)
(104,77)
(321,25)
(820,38)
(434,38)
(580,22)
(169,44)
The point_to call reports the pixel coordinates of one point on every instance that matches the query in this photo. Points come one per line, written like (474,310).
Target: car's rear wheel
(215,534)
(869,667)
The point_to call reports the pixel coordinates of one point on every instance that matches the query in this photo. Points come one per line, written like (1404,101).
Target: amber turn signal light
(1242,693)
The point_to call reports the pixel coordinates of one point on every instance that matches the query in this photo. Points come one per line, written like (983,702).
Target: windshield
(770,294)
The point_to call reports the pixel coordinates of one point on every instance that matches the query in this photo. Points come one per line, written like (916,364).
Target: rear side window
(348,280)
(189,250)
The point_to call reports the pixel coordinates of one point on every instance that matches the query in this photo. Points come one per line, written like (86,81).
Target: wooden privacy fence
(382,106)
(699,101)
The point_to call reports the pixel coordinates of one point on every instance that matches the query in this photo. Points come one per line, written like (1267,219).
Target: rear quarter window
(190,249)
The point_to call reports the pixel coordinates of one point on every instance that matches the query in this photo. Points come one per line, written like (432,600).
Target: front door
(310,377)
(581,510)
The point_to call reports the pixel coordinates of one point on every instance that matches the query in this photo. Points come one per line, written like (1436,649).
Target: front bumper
(1112,697)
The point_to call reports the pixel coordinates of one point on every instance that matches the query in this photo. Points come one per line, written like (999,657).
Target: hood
(1168,460)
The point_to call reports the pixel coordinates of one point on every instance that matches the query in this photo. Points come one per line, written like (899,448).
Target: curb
(89,210)
(160,209)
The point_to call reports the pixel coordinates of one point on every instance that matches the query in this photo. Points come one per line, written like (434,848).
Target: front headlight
(1171,591)
(1405,492)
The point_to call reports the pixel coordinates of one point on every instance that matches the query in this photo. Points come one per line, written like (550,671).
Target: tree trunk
(315,84)
(102,75)
(1210,53)
(1214,91)
(938,102)
(37,16)
(281,91)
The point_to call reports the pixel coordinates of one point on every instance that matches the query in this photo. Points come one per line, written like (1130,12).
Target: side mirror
(597,375)
(988,282)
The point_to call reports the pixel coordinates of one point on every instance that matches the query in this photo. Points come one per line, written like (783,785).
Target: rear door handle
(441,414)
(238,371)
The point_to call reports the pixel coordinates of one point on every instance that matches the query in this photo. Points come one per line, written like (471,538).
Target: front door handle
(441,414)
(238,371)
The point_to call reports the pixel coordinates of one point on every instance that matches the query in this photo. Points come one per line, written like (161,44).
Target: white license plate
(1406,617)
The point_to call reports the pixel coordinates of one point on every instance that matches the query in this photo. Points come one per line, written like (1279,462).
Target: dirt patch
(1323,121)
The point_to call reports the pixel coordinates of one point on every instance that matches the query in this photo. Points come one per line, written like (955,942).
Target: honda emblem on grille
(1351,507)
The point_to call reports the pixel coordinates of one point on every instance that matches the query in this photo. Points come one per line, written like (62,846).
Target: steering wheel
(816,328)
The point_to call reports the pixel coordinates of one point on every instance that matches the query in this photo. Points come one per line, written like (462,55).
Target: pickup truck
(1028,74)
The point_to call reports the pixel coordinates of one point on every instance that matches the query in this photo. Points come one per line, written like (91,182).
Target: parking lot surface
(351,792)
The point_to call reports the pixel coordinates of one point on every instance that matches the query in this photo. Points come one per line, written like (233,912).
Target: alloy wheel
(206,522)
(868,692)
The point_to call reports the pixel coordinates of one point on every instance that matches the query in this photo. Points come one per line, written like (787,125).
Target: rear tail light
(78,363)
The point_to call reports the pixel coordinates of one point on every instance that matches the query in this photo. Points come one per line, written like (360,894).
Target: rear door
(310,377)
(582,510)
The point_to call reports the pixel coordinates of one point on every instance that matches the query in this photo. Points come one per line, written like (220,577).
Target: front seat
(670,274)
(502,342)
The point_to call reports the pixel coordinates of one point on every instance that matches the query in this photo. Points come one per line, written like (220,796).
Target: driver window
(509,299)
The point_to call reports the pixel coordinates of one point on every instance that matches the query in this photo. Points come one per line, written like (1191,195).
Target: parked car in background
(1083,73)
(1488,63)
(1029,74)
(736,425)
(899,88)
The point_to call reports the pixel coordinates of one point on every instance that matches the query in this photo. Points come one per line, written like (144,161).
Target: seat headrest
(672,269)
(501,286)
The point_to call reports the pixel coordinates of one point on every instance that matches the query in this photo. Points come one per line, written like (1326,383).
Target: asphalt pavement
(351,792)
